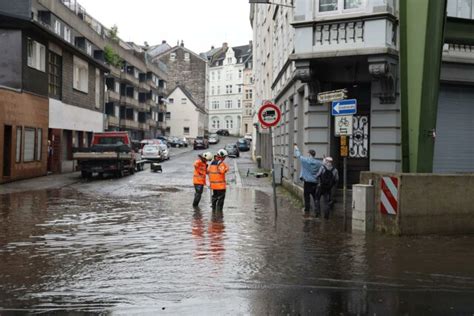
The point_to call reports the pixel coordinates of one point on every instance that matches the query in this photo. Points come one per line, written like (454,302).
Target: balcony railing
(113,96)
(129,77)
(143,126)
(144,86)
(152,123)
(112,120)
(115,71)
(143,107)
(129,101)
(128,124)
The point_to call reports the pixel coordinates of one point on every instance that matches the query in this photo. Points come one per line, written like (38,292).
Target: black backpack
(327,178)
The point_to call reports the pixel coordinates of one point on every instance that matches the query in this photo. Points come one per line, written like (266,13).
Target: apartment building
(328,45)
(68,59)
(226,86)
(188,71)
(247,99)
(52,89)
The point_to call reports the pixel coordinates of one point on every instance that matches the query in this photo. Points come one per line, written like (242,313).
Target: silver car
(165,152)
(152,152)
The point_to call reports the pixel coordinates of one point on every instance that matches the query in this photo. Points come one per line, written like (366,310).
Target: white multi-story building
(226,87)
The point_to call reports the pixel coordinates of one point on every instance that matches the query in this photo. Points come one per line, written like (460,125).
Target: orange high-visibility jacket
(200,169)
(217,175)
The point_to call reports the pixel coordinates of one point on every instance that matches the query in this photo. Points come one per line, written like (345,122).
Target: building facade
(187,70)
(84,77)
(64,73)
(185,116)
(331,45)
(247,99)
(226,87)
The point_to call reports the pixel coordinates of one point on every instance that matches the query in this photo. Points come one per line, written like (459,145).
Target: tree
(113,33)
(111,57)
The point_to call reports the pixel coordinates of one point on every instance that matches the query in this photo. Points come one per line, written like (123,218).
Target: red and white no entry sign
(269,114)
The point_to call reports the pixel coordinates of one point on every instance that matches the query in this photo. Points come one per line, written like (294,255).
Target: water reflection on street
(66,250)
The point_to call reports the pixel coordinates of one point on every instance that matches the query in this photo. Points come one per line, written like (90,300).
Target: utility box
(363,207)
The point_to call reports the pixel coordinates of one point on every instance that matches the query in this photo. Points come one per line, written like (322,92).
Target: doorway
(7,151)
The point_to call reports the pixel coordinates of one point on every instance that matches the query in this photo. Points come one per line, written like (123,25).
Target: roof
(188,94)
(216,55)
(172,49)
(156,50)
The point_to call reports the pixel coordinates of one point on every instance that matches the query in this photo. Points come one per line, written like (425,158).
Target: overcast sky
(199,23)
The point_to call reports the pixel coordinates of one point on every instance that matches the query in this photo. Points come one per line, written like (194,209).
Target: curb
(238,178)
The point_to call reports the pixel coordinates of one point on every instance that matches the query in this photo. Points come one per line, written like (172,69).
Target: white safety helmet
(222,153)
(208,156)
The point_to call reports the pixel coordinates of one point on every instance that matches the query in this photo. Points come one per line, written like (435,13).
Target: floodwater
(72,251)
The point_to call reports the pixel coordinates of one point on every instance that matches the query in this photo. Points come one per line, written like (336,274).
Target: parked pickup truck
(110,152)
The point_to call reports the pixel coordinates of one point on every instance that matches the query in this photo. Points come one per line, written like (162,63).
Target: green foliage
(113,33)
(111,57)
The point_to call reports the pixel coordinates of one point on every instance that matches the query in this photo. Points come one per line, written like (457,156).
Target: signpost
(342,110)
(329,96)
(269,116)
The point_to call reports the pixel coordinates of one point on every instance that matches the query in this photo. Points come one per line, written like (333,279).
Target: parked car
(175,142)
(165,152)
(223,132)
(232,150)
(164,139)
(243,144)
(248,137)
(214,139)
(152,152)
(201,142)
(183,142)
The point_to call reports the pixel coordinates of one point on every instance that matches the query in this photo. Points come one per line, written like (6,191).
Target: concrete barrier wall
(428,204)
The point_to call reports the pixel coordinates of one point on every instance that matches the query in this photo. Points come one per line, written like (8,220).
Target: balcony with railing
(112,120)
(125,123)
(129,101)
(113,96)
(152,123)
(344,27)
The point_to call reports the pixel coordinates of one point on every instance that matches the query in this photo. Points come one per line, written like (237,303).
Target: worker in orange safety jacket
(199,178)
(217,171)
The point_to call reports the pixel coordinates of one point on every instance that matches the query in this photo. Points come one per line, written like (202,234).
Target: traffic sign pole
(273,174)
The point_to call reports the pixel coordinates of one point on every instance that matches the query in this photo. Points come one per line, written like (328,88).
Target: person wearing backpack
(309,168)
(327,176)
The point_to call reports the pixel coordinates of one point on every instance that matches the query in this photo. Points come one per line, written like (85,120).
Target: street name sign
(343,125)
(269,114)
(334,95)
(344,107)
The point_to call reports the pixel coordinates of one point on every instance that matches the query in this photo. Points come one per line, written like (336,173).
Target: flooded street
(135,246)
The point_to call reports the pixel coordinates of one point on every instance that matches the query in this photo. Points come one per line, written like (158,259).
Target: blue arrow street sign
(344,107)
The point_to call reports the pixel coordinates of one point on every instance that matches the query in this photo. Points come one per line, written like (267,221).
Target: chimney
(182,43)
(212,47)
(163,42)
(224,45)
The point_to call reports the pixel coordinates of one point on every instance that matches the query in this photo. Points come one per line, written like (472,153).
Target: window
(67,34)
(117,87)
(55,75)
(229,60)
(228,75)
(57,27)
(212,75)
(229,89)
(36,53)
(19,138)
(327,5)
(215,123)
(218,75)
(461,9)
(218,89)
(352,4)
(89,48)
(184,101)
(212,90)
(29,146)
(240,89)
(186,56)
(168,115)
(228,104)
(186,130)
(136,73)
(239,103)
(170,100)
(229,123)
(97,88)
(173,56)
(240,74)
(135,94)
(81,75)
(248,94)
(215,105)
(39,139)
(168,130)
